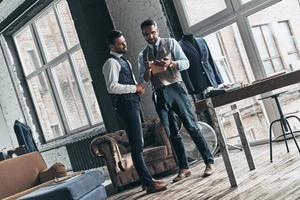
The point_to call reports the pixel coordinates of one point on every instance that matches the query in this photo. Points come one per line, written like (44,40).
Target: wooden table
(254,89)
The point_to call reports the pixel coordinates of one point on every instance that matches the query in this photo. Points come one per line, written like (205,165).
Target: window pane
(280,25)
(285,32)
(277,64)
(259,39)
(50,35)
(196,12)
(67,23)
(69,95)
(45,107)
(294,61)
(268,67)
(269,39)
(86,80)
(27,51)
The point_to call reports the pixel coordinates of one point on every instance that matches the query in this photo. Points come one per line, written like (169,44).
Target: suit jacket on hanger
(202,72)
(24,136)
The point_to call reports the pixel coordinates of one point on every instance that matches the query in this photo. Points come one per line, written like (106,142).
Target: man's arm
(144,69)
(111,69)
(181,62)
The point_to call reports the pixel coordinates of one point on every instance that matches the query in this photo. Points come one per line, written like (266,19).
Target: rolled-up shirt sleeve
(110,70)
(180,58)
(141,67)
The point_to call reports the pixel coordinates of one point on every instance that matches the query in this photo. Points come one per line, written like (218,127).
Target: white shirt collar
(116,54)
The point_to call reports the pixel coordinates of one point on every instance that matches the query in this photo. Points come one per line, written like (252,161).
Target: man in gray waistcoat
(161,62)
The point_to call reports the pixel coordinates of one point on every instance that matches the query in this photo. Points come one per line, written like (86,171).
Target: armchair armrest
(106,146)
(57,170)
(161,135)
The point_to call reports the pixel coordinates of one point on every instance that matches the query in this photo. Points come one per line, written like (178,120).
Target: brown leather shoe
(155,187)
(155,180)
(183,173)
(209,170)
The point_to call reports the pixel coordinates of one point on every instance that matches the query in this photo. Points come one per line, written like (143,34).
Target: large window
(56,73)
(249,40)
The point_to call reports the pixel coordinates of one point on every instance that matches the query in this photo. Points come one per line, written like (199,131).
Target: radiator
(81,157)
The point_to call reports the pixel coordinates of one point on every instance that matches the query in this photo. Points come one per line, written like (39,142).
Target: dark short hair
(112,36)
(147,23)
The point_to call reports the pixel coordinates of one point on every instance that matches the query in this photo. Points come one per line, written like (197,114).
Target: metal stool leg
(271,156)
(292,133)
(271,145)
(284,128)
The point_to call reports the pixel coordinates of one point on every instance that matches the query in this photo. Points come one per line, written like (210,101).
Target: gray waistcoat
(164,78)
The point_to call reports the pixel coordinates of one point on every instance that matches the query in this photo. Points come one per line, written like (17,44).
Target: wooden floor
(277,180)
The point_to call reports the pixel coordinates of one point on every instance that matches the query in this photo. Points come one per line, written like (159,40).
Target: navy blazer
(24,136)
(202,72)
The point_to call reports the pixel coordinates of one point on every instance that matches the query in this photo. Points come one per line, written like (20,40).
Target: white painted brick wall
(9,102)
(7,7)
(57,155)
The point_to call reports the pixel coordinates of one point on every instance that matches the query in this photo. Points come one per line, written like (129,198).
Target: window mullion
(81,89)
(61,109)
(250,47)
(38,43)
(60,26)
(236,4)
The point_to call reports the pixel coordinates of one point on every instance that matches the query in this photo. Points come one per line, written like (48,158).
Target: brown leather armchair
(116,150)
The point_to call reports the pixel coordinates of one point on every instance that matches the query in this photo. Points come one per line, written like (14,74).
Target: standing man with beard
(161,62)
(125,91)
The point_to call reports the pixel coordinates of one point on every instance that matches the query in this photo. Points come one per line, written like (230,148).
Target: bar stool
(285,125)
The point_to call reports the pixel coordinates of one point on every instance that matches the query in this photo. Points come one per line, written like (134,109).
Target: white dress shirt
(111,70)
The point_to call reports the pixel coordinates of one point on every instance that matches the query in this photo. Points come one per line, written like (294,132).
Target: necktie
(154,51)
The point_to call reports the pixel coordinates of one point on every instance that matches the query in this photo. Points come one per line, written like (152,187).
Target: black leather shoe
(144,186)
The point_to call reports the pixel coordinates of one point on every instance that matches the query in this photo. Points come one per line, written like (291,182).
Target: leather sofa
(115,149)
(23,174)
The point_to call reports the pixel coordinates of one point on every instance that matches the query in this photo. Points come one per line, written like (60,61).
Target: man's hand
(166,62)
(147,74)
(140,89)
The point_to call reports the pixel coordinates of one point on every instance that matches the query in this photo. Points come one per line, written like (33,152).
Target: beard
(122,51)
